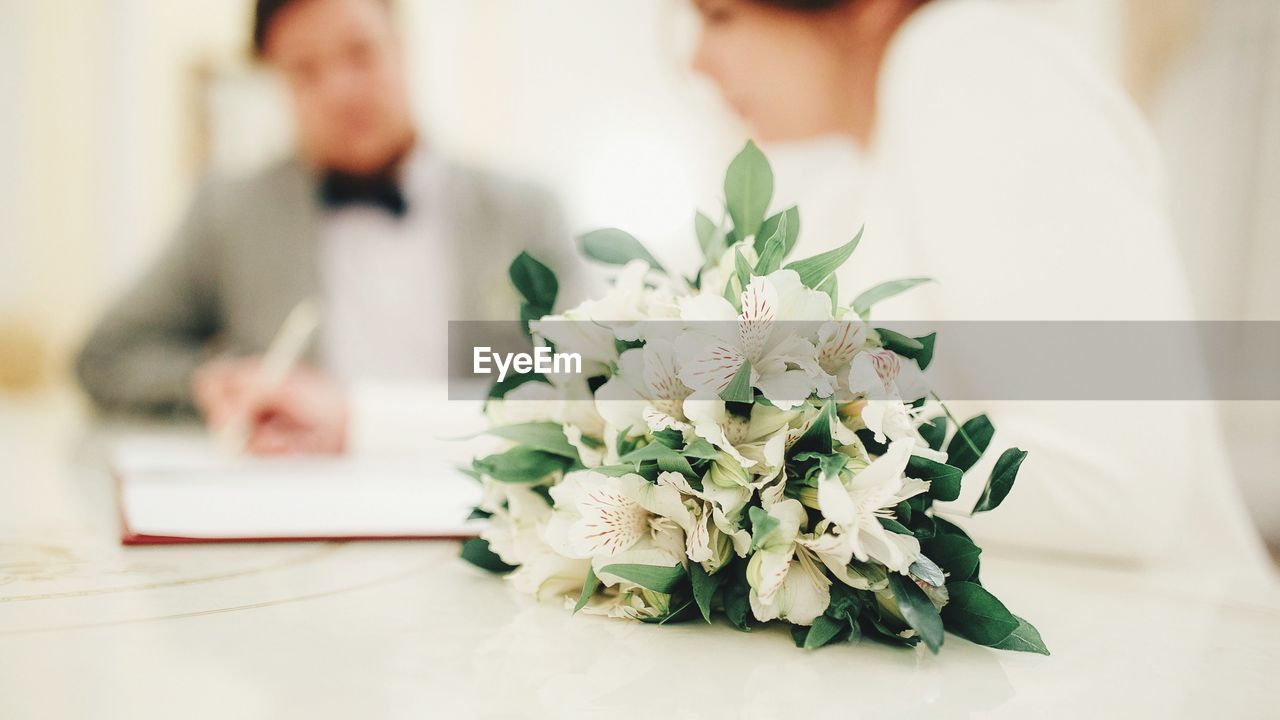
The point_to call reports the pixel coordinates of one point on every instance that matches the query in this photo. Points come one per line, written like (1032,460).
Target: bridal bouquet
(738,443)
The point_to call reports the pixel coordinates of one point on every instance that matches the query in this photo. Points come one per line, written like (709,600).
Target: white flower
(838,342)
(627,312)
(879,375)
(717,513)
(784,364)
(645,393)
(785,580)
(758,444)
(854,506)
(567,400)
(618,520)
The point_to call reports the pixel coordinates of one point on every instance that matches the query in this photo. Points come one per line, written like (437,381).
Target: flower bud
(727,473)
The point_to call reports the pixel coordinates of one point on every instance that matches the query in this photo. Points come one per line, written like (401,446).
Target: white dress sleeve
(1023,181)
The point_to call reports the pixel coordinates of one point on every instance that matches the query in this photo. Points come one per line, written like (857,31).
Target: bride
(991,156)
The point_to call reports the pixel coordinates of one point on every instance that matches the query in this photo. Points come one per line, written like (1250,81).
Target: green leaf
(476,551)
(899,343)
(762,523)
(969,442)
(616,247)
(653,577)
(739,388)
(822,632)
(520,465)
(668,460)
(545,436)
(773,252)
(1001,480)
(748,188)
(944,479)
(1024,639)
(742,270)
(700,449)
(588,589)
(737,600)
(710,237)
(535,281)
(513,381)
(925,356)
(956,554)
(934,432)
(893,525)
(815,270)
(918,611)
(791,233)
(885,290)
(831,286)
(975,614)
(704,587)
(946,527)
(817,438)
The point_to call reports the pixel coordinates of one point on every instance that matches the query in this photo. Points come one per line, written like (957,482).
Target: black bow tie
(339,189)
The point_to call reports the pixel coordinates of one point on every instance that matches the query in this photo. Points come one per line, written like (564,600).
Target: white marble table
(90,629)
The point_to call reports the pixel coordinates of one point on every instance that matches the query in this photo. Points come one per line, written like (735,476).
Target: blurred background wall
(109,110)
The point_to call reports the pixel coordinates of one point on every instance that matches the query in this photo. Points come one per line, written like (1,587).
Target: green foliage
(944,479)
(704,588)
(885,290)
(739,388)
(1001,480)
(762,524)
(536,284)
(976,615)
(815,270)
(616,247)
(476,551)
(589,587)
(1024,639)
(545,436)
(956,554)
(969,442)
(789,221)
(521,465)
(917,610)
(652,577)
(748,189)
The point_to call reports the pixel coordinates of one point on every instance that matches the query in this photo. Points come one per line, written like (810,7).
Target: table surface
(89,628)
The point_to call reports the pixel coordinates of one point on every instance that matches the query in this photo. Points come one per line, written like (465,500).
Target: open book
(185,490)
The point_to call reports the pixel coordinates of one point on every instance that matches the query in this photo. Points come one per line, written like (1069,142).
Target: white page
(184,487)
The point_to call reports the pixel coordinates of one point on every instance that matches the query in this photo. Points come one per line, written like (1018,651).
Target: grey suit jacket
(248,252)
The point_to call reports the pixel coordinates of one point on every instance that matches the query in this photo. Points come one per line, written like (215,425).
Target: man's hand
(307,414)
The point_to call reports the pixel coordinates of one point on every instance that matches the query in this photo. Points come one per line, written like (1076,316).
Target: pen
(282,355)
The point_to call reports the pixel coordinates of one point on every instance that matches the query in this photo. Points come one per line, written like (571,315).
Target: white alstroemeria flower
(839,341)
(758,443)
(567,400)
(618,520)
(624,313)
(547,574)
(631,306)
(854,506)
(717,513)
(626,601)
(786,581)
(879,375)
(646,392)
(784,362)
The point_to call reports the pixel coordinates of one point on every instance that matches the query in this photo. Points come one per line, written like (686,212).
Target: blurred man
(392,239)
